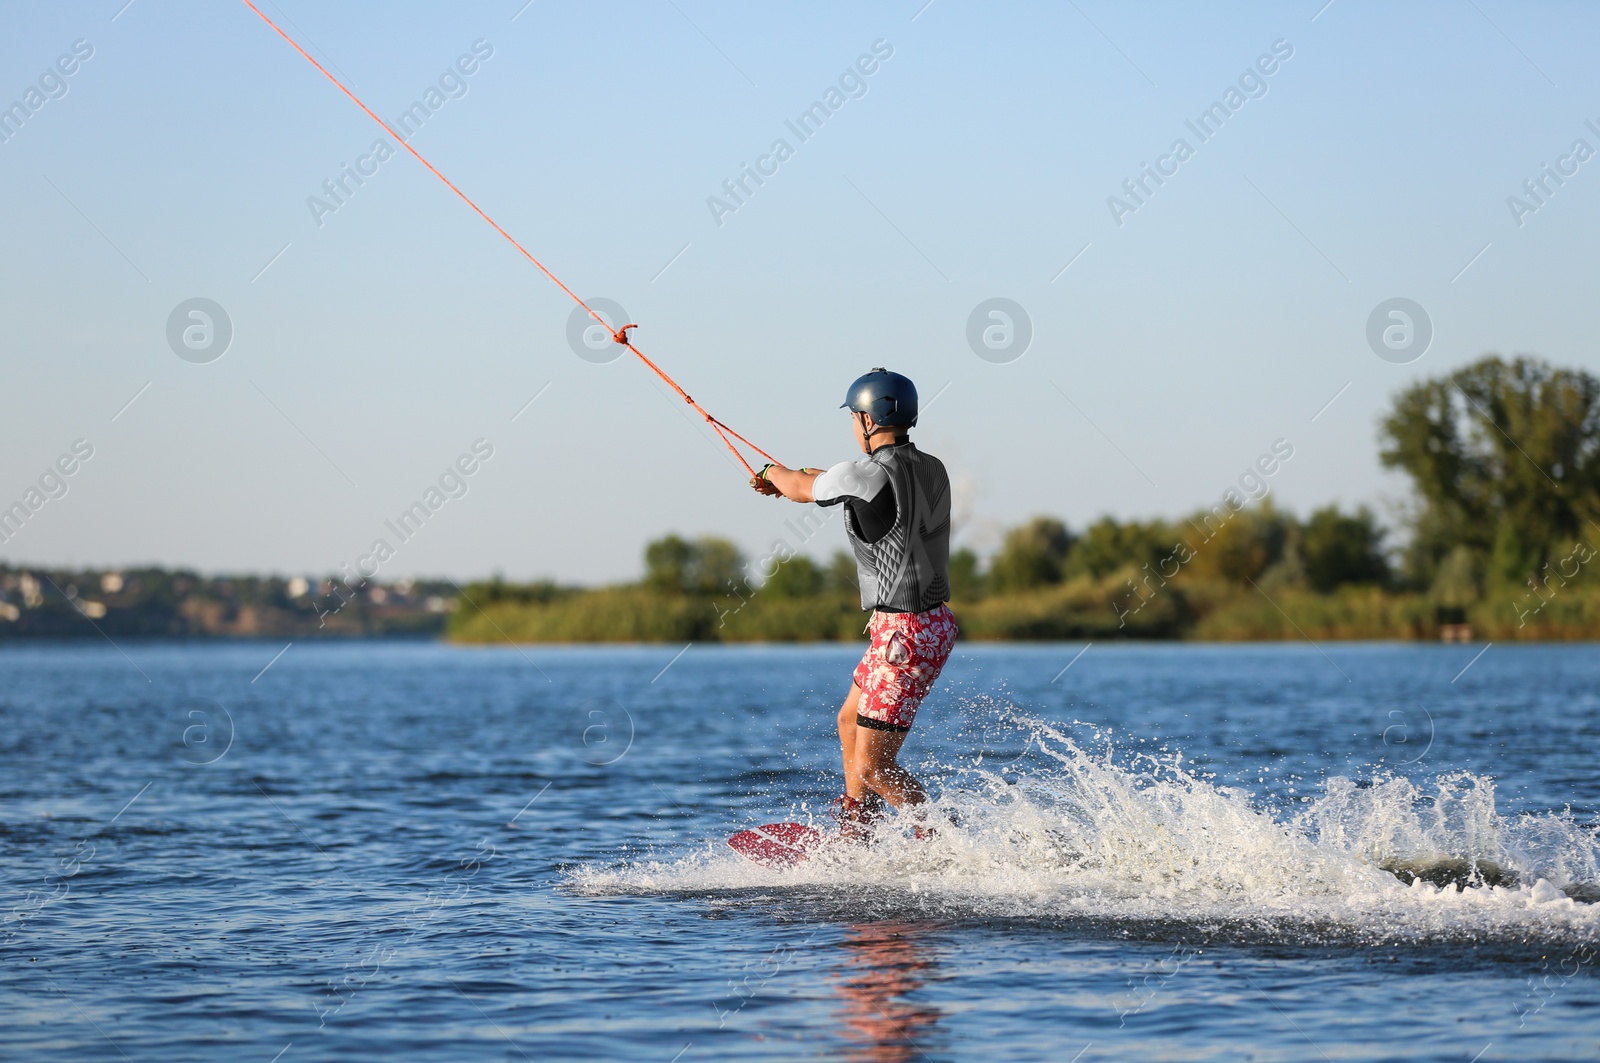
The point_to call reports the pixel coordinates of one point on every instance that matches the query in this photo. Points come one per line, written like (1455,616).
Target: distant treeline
(1503,458)
(156,602)
(1504,461)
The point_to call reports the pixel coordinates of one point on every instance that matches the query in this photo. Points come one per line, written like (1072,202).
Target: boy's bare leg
(847,743)
(875,767)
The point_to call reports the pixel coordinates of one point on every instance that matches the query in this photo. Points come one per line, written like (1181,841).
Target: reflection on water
(885,963)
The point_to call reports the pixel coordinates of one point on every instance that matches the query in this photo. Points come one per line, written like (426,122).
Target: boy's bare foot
(856,815)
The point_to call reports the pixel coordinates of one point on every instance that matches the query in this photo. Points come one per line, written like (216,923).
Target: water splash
(1084,830)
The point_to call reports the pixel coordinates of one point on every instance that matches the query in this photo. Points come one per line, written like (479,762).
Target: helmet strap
(866,435)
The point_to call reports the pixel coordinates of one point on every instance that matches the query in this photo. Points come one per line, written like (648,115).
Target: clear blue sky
(1220,315)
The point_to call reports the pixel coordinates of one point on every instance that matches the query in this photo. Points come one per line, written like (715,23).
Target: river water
(397,850)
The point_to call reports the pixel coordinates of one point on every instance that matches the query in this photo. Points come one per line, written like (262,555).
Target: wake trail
(1082,830)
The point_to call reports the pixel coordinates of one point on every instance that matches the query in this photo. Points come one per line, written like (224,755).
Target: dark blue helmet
(888,398)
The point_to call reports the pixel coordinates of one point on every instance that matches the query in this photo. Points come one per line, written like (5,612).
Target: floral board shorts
(907,653)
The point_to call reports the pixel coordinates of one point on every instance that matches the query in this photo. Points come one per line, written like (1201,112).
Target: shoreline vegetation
(1495,543)
(1079,608)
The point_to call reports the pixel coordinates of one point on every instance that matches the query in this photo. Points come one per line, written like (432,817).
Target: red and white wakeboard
(777,844)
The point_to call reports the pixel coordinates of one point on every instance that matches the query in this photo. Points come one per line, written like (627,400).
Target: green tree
(668,563)
(1337,549)
(720,568)
(966,580)
(1031,555)
(1505,460)
(1456,584)
(1107,545)
(798,577)
(1243,546)
(706,567)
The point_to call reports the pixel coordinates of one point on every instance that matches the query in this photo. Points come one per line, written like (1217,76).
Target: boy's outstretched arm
(793,484)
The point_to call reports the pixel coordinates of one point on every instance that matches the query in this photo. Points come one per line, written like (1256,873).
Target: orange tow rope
(618,335)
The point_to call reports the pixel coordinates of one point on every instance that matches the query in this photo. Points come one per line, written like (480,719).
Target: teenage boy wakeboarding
(897,518)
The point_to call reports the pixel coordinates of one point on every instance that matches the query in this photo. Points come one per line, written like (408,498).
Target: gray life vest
(908,570)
